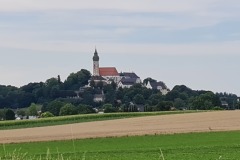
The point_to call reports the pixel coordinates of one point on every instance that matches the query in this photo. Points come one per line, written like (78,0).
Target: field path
(163,124)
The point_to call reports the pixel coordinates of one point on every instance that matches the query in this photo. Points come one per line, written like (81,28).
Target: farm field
(162,124)
(187,146)
(81,118)
(192,136)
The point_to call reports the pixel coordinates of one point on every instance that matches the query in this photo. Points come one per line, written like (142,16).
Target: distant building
(96,64)
(98,98)
(105,74)
(98,79)
(110,74)
(224,102)
(159,86)
(128,79)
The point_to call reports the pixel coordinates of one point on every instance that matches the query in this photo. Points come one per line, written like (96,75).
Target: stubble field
(164,124)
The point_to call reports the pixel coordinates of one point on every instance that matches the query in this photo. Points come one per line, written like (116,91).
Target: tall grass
(161,156)
(15,155)
(78,119)
(18,155)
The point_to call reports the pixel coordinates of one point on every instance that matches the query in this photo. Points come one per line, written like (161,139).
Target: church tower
(95,63)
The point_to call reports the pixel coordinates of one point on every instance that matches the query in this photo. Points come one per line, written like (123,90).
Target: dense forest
(60,98)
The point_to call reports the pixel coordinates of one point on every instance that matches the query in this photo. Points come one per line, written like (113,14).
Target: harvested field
(164,124)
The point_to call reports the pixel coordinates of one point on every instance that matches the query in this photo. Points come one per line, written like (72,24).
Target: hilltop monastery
(124,79)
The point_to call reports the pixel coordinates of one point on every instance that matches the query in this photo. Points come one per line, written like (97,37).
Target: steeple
(95,63)
(95,57)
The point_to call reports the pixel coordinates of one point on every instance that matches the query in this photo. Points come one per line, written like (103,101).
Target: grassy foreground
(193,146)
(79,118)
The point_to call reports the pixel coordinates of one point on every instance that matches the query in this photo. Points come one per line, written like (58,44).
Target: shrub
(217,108)
(68,109)
(108,108)
(85,109)
(47,114)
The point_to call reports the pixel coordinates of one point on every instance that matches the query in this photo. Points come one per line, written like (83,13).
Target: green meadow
(192,146)
(80,118)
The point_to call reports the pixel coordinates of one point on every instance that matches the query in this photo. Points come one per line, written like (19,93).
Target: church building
(123,80)
(105,74)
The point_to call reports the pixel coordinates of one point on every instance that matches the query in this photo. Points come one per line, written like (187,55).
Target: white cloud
(74,46)
(169,15)
(130,5)
(127,5)
(221,48)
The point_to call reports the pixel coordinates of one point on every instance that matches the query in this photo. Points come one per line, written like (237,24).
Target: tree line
(59,97)
(42,92)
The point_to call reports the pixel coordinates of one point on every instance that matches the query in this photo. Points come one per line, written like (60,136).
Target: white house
(159,86)
(128,79)
(98,98)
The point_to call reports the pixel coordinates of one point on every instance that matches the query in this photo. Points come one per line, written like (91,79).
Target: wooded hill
(120,99)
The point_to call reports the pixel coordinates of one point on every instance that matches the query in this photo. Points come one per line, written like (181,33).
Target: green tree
(68,109)
(154,99)
(108,108)
(21,112)
(184,90)
(71,82)
(84,109)
(32,110)
(76,80)
(139,99)
(126,100)
(164,106)
(172,95)
(179,103)
(53,107)
(110,93)
(2,114)
(88,97)
(129,95)
(54,92)
(52,82)
(204,101)
(146,93)
(10,115)
(119,94)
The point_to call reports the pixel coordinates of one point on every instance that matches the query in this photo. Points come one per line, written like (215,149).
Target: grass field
(78,119)
(193,146)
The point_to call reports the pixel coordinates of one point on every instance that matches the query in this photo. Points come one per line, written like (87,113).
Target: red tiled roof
(108,71)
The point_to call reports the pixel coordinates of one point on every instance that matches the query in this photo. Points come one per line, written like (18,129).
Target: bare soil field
(164,124)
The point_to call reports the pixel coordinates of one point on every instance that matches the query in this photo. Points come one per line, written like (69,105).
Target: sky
(191,42)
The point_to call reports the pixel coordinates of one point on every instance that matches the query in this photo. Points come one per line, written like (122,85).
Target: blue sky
(191,42)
